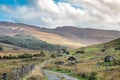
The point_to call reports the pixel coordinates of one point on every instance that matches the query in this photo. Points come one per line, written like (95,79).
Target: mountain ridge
(68,36)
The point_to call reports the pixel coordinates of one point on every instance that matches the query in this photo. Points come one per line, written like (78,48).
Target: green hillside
(28,42)
(90,62)
(99,51)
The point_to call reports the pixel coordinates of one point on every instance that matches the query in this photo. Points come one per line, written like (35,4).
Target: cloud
(48,5)
(105,11)
(81,13)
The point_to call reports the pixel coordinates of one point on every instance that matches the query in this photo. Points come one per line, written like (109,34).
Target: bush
(92,76)
(64,50)
(53,56)
(11,57)
(1,48)
(0,57)
(81,75)
(5,57)
(80,52)
(41,54)
(8,57)
(117,48)
(25,55)
(15,49)
(103,50)
(116,62)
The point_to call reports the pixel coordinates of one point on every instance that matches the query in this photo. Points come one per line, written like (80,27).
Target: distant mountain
(11,29)
(85,35)
(66,36)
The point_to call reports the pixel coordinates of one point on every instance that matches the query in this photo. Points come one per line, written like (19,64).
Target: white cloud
(48,5)
(47,13)
(107,10)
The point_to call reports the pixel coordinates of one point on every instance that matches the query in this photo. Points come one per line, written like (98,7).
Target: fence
(17,73)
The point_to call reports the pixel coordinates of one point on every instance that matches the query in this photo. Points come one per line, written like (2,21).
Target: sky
(100,14)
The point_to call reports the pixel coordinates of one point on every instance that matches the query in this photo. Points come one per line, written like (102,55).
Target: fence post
(22,71)
(17,74)
(33,66)
(4,76)
(25,70)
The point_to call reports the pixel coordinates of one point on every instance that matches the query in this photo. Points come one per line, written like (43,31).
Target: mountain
(85,35)
(66,36)
(28,42)
(11,29)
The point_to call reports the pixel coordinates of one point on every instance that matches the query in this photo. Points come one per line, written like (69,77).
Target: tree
(5,57)
(42,53)
(25,55)
(1,48)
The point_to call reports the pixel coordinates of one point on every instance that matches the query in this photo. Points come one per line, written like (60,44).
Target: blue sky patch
(78,6)
(4,16)
(56,1)
(13,2)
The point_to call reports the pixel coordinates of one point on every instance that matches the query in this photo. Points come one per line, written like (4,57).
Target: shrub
(103,50)
(25,55)
(64,50)
(59,63)
(92,76)
(80,52)
(53,56)
(8,57)
(116,62)
(117,48)
(15,49)
(1,48)
(82,75)
(41,54)
(11,57)
(0,57)
(5,57)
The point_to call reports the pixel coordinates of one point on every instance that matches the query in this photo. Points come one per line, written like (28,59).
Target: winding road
(57,76)
(54,75)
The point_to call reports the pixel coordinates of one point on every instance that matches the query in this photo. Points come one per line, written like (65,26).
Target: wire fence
(17,73)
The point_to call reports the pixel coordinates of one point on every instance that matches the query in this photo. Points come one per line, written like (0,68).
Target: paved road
(57,76)
(54,75)
(51,76)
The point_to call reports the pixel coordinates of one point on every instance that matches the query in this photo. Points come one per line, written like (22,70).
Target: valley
(61,53)
(59,39)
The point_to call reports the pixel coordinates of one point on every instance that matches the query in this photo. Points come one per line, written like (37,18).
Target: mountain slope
(8,28)
(27,42)
(66,36)
(85,35)
(98,52)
